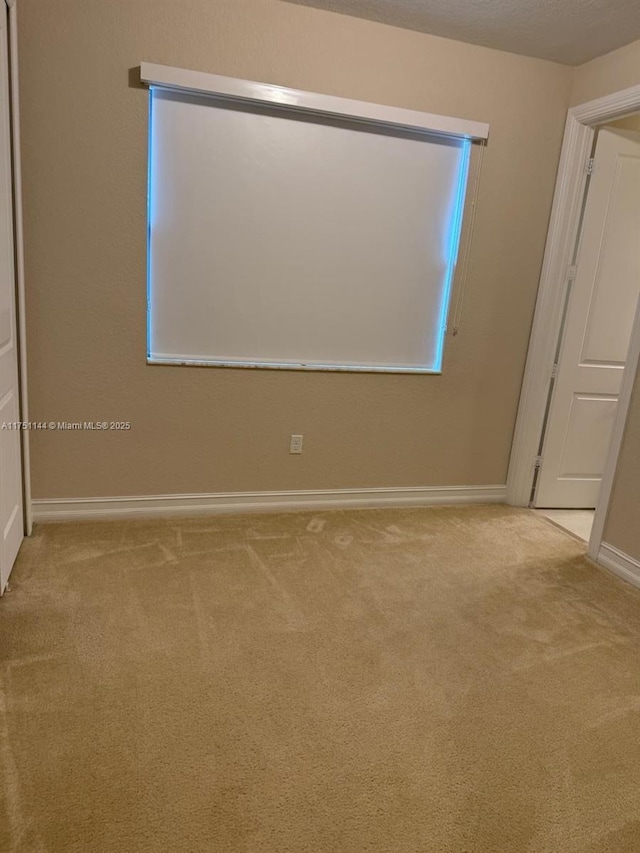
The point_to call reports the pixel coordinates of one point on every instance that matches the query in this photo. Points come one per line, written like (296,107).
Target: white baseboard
(620,563)
(67,509)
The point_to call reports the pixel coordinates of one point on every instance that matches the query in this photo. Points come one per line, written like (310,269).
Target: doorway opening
(595,334)
(584,348)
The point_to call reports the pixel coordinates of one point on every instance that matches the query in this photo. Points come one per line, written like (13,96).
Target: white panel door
(11,523)
(597,330)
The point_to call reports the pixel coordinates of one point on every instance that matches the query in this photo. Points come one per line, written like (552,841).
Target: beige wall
(606,74)
(602,76)
(628,123)
(206,430)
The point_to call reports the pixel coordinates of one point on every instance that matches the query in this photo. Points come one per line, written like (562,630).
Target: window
(296,230)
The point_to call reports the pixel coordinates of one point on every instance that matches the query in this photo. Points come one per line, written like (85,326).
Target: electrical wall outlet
(295,444)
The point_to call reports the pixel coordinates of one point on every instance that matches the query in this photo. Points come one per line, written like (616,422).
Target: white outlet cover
(295,444)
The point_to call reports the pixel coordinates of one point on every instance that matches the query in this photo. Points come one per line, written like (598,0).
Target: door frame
(18,239)
(562,236)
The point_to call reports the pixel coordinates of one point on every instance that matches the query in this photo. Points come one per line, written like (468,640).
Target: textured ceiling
(568,31)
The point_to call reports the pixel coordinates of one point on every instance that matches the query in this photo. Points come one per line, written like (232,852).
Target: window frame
(237,91)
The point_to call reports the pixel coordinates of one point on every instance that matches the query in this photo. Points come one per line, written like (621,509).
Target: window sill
(269,365)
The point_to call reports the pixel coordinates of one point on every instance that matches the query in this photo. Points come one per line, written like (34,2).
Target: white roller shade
(285,239)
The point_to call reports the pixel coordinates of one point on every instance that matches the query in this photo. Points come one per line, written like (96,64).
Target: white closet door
(598,328)
(11,521)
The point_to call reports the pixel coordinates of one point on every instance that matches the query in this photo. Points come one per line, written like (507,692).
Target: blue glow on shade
(149,202)
(452,251)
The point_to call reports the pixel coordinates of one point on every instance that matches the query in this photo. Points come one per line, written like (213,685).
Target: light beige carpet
(447,679)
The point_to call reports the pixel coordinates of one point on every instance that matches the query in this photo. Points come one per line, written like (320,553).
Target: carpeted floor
(380,681)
